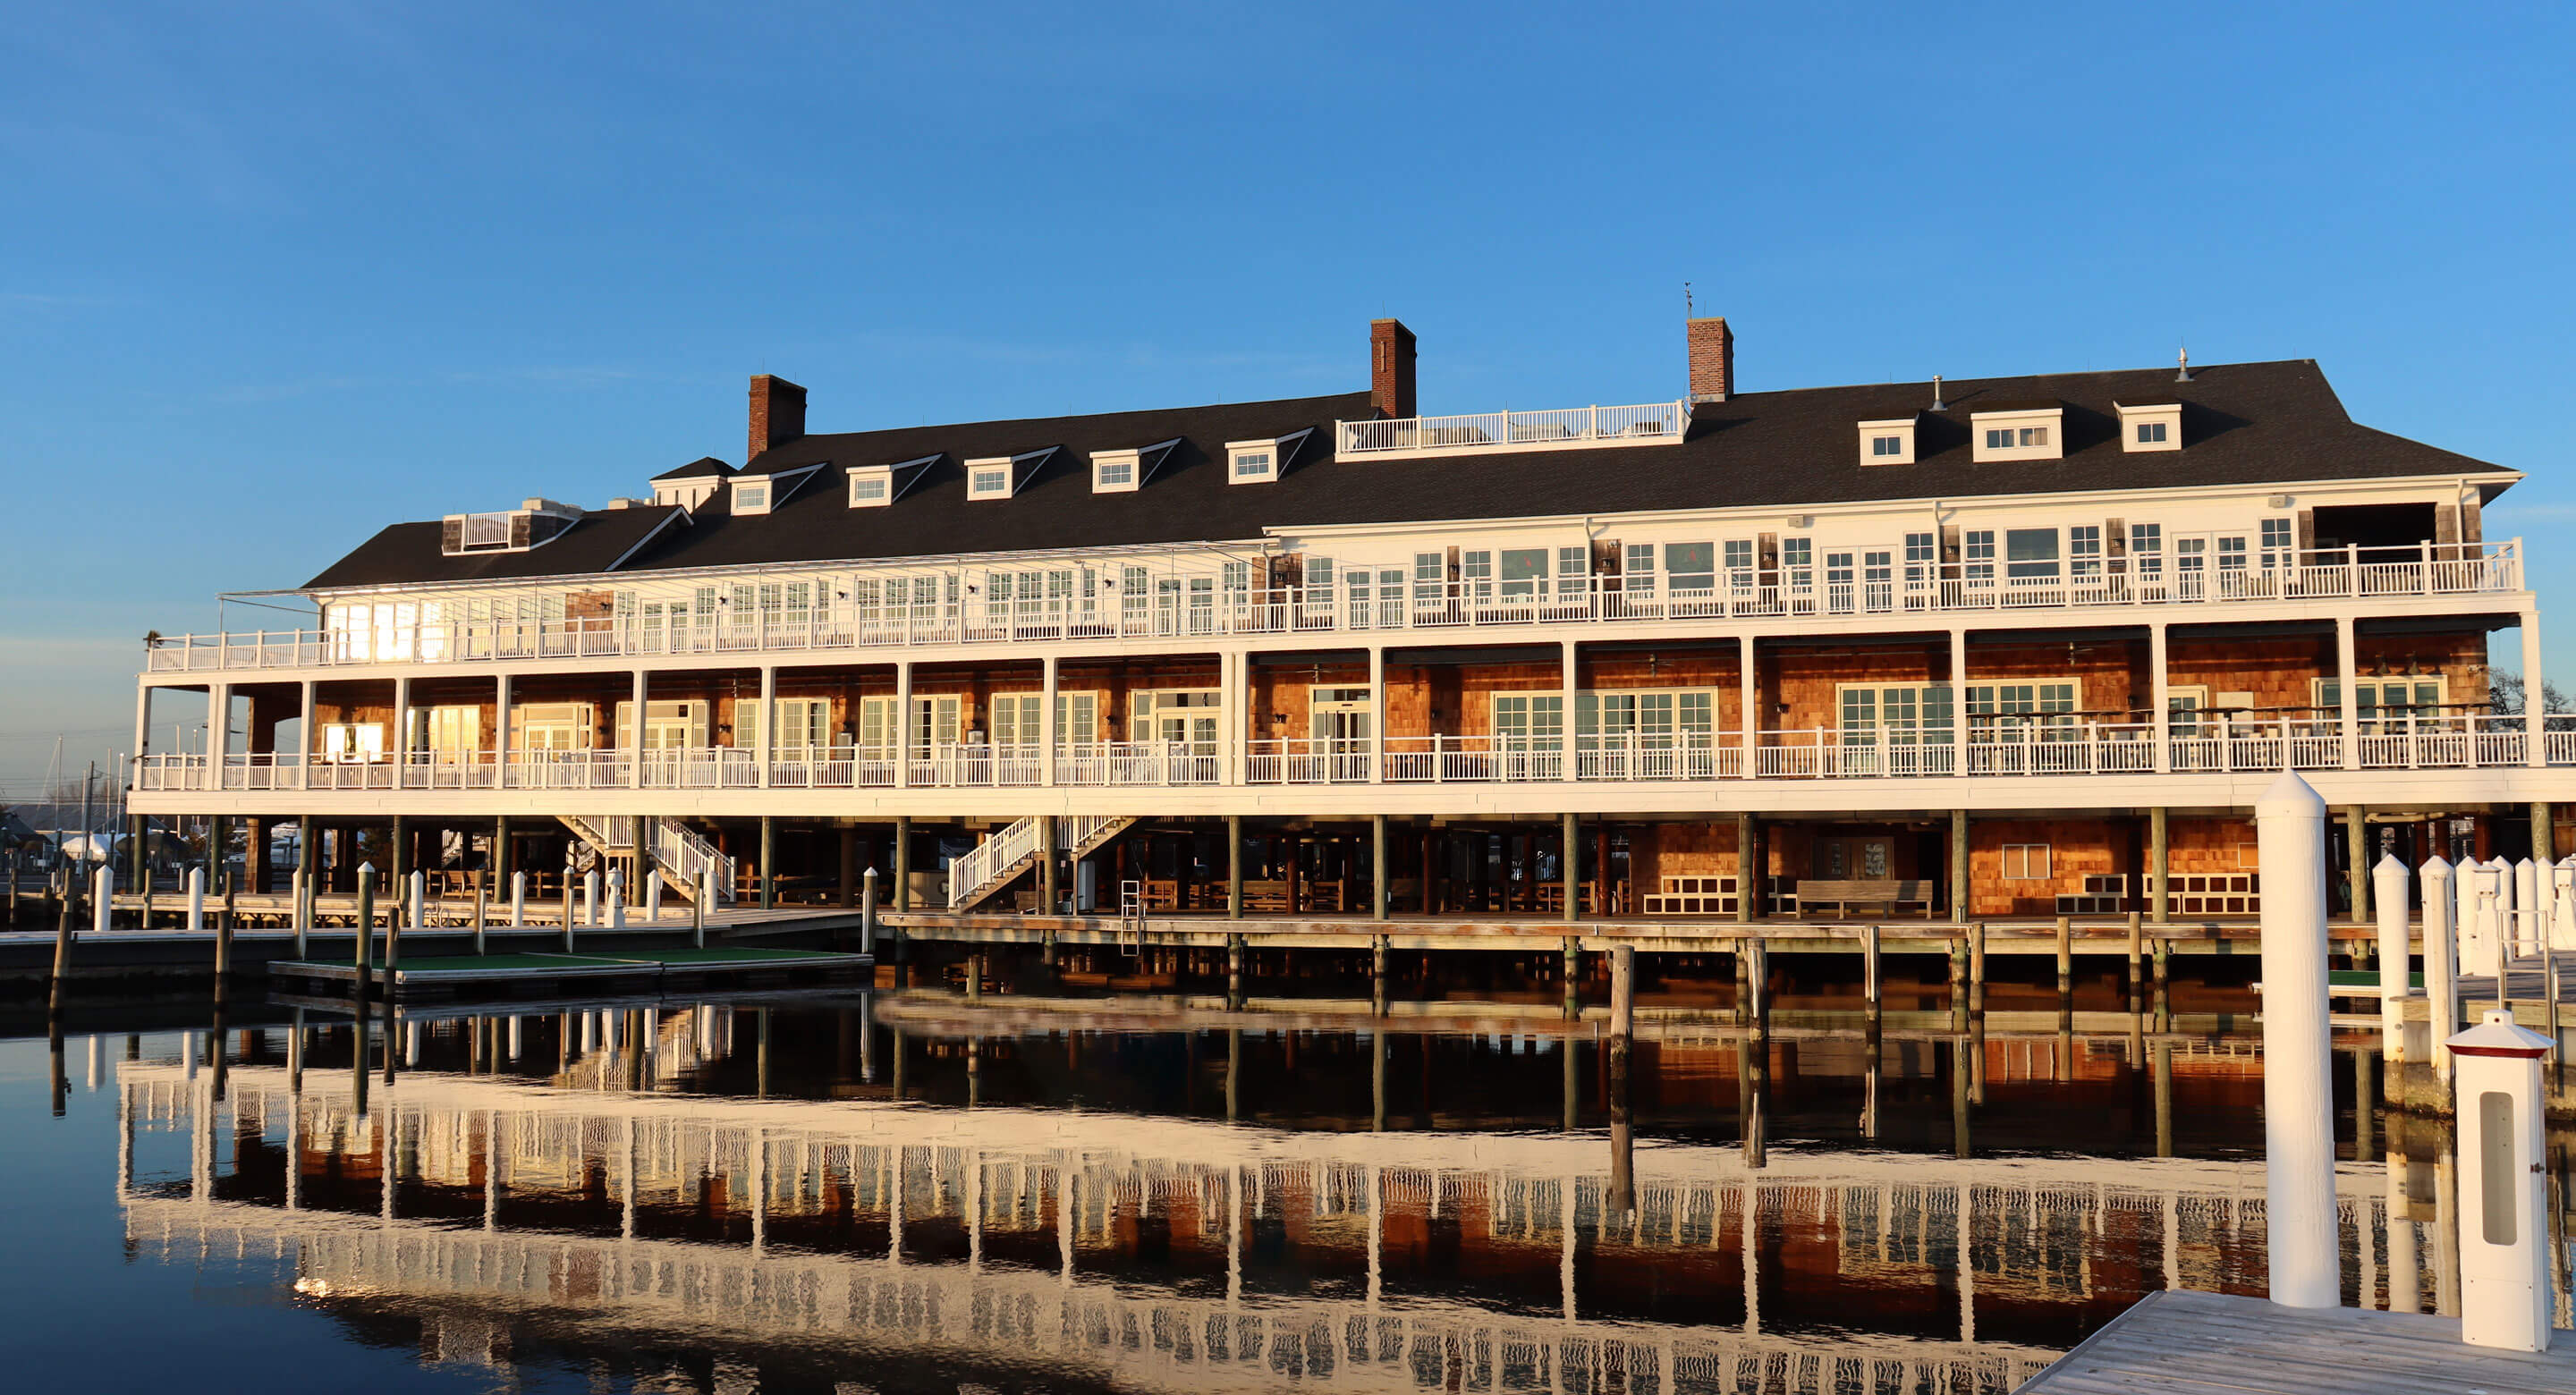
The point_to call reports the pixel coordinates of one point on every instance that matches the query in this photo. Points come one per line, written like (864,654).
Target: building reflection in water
(645,1179)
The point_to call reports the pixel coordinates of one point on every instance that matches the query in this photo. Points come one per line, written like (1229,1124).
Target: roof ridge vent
(2182,373)
(1937,404)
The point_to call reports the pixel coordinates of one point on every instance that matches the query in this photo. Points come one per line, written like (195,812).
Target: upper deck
(973,607)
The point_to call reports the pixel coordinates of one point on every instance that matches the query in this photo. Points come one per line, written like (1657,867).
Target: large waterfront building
(2003,647)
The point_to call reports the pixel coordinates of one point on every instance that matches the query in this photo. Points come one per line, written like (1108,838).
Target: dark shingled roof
(703,465)
(2251,423)
(409,552)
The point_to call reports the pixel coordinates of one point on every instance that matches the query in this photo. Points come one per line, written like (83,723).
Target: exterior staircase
(1003,856)
(677,855)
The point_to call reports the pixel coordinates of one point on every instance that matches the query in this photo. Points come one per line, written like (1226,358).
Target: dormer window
(758,494)
(1889,442)
(1262,462)
(1125,471)
(2034,431)
(875,486)
(1000,476)
(2150,425)
(532,524)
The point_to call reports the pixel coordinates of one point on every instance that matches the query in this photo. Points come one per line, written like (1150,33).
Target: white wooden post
(2396,960)
(616,898)
(102,892)
(414,896)
(2562,919)
(768,742)
(501,732)
(518,899)
(1377,710)
(902,724)
(1959,701)
(2504,1226)
(2298,1087)
(652,897)
(590,897)
(2528,931)
(2160,697)
(2535,722)
(1048,736)
(196,899)
(633,736)
(2349,670)
(1743,701)
(2441,949)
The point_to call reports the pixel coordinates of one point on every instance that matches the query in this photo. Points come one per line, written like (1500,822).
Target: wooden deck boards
(2183,1343)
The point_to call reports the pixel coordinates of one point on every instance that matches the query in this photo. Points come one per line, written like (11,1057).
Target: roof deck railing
(1861,583)
(1649,423)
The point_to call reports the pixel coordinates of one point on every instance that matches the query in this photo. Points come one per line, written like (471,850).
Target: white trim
(1015,470)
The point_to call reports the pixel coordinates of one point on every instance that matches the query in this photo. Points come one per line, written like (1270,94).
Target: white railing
(1186,613)
(688,857)
(1568,426)
(2037,746)
(971,877)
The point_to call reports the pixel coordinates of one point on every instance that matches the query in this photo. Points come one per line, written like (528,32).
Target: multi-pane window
(2231,553)
(2151,432)
(750,497)
(2385,698)
(1639,579)
(2025,862)
(992,482)
(1977,548)
(1740,575)
(2007,438)
(2147,550)
(1430,574)
(1476,569)
(868,489)
(1524,570)
(2278,543)
(1572,565)
(1881,447)
(2046,704)
(1909,713)
(1524,720)
(1119,471)
(2084,551)
(1251,464)
(1650,718)
(1922,555)
(2030,553)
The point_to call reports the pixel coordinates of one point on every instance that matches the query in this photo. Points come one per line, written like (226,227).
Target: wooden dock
(2180,1342)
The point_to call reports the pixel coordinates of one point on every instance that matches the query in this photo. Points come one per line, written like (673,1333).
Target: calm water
(838,1194)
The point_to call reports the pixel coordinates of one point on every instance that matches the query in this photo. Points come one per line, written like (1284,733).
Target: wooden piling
(1623,1003)
(2137,956)
(2065,958)
(1976,969)
(1573,976)
(1871,987)
(365,935)
(482,915)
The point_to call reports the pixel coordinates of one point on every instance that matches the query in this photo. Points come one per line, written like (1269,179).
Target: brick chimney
(777,413)
(1391,368)
(1712,360)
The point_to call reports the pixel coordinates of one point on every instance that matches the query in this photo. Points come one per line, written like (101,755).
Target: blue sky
(275,275)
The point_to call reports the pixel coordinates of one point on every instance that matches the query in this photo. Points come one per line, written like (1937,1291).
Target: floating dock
(522,975)
(2183,1343)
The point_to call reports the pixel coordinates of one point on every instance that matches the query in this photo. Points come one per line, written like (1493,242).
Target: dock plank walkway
(2183,1343)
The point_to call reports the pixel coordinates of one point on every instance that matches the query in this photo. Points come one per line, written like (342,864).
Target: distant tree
(2505,695)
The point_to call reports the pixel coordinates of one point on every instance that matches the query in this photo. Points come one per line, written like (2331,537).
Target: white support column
(1744,701)
(768,742)
(400,744)
(143,730)
(1959,701)
(2159,667)
(219,732)
(2347,668)
(1377,708)
(2535,721)
(1230,706)
(1048,735)
(1565,728)
(902,724)
(2396,963)
(635,736)
(305,739)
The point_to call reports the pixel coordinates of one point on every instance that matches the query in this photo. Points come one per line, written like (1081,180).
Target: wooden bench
(1844,895)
